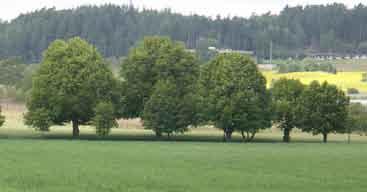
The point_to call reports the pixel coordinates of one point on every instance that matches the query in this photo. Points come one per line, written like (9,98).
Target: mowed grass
(54,162)
(343,80)
(87,166)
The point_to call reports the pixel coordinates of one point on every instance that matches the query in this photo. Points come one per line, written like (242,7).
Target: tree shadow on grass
(153,138)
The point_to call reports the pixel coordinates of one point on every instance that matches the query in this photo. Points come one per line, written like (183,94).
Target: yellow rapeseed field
(343,80)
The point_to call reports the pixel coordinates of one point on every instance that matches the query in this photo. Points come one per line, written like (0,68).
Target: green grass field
(131,159)
(95,166)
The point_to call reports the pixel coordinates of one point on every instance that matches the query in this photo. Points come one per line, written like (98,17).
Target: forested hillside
(114,29)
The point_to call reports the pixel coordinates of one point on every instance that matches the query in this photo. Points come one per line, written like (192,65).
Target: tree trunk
(286,137)
(248,137)
(75,128)
(325,137)
(158,134)
(227,135)
(252,136)
(243,136)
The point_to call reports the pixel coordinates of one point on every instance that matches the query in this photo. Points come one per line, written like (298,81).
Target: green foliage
(234,95)
(25,83)
(364,77)
(167,111)
(202,48)
(358,118)
(352,91)
(15,78)
(11,72)
(140,72)
(324,109)
(3,92)
(328,41)
(40,119)
(104,118)
(71,81)
(286,94)
(305,65)
(153,60)
(2,119)
(114,29)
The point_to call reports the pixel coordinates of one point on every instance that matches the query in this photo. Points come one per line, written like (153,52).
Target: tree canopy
(11,71)
(114,29)
(167,111)
(71,81)
(286,95)
(324,109)
(234,95)
(159,59)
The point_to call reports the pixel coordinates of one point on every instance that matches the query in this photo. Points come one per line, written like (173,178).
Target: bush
(2,119)
(352,91)
(364,77)
(2,92)
(104,118)
(306,65)
(20,95)
(39,119)
(11,92)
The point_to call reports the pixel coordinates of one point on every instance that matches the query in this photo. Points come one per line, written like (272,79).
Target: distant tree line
(305,65)
(114,29)
(163,84)
(15,78)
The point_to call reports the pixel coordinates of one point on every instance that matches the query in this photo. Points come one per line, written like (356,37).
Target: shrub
(2,119)
(39,119)
(364,77)
(104,118)
(352,91)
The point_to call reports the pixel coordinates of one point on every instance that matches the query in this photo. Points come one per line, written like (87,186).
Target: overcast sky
(10,9)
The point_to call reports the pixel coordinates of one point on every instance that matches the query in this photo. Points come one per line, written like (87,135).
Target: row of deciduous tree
(163,84)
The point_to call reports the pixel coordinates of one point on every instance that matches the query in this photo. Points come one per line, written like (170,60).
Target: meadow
(94,166)
(133,159)
(343,80)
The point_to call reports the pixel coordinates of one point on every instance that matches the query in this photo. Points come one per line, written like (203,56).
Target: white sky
(9,9)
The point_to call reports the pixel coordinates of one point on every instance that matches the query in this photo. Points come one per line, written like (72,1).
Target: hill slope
(114,29)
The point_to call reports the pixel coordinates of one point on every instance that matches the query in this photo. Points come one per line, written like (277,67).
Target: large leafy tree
(234,96)
(167,111)
(159,59)
(324,109)
(71,81)
(286,94)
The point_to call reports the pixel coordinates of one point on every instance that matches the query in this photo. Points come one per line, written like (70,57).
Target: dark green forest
(113,29)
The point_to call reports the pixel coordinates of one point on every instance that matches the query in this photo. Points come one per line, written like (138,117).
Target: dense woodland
(114,29)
